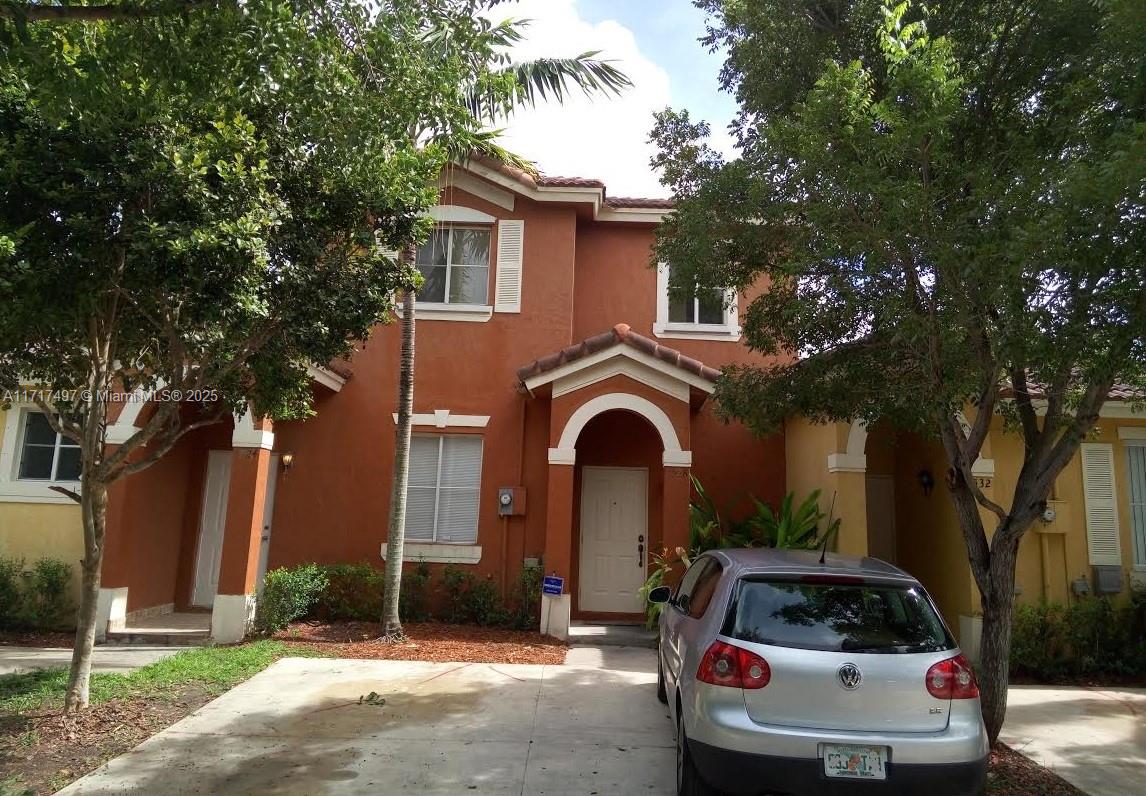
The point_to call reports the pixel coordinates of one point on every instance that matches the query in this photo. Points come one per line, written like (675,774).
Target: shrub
(1091,637)
(47,599)
(37,599)
(457,583)
(472,600)
(288,594)
(11,572)
(526,611)
(353,592)
(413,600)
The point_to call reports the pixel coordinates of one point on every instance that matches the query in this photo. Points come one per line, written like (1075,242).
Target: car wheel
(662,692)
(688,779)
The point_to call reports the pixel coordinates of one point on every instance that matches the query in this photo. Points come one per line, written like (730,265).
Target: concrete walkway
(104,659)
(310,726)
(1093,738)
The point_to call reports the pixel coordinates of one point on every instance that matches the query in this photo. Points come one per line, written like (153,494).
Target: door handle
(641,550)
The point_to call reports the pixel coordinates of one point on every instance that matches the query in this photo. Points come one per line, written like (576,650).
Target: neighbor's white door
(268,518)
(212,522)
(881,517)
(614,538)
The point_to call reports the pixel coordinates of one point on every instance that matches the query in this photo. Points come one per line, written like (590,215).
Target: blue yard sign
(552,584)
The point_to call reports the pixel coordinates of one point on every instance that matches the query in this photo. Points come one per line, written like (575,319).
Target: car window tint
(837,617)
(704,589)
(683,595)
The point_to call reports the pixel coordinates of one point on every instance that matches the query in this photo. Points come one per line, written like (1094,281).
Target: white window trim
(728,331)
(438,496)
(490,267)
(443,418)
(12,488)
(439,552)
(1133,437)
(436,311)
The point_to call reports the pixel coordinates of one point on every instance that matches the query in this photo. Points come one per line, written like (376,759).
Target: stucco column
(850,491)
(234,605)
(557,609)
(677,491)
(111,608)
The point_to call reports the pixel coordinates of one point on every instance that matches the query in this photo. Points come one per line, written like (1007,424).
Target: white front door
(268,517)
(212,522)
(614,538)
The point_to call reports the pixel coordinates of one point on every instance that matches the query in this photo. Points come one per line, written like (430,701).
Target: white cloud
(604,137)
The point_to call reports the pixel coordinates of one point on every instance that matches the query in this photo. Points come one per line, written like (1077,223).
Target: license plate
(855,762)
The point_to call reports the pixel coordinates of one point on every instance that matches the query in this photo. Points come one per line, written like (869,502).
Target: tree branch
(39,12)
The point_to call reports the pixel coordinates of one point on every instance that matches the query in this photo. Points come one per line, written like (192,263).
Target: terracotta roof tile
(570,182)
(640,201)
(621,333)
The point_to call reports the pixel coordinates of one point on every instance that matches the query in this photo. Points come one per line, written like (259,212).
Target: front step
(583,634)
(150,638)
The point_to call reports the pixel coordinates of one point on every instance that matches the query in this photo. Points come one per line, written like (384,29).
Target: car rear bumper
(745,774)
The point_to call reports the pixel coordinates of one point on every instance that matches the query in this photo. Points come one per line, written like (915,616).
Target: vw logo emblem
(850,676)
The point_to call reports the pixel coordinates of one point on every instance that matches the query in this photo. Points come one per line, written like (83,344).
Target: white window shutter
(510,253)
(1101,503)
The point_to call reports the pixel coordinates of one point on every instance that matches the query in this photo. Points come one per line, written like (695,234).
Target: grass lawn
(42,750)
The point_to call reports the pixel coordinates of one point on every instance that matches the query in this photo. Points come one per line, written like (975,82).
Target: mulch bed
(36,638)
(429,641)
(1011,774)
(50,749)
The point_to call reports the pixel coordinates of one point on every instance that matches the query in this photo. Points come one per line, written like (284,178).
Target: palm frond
(546,79)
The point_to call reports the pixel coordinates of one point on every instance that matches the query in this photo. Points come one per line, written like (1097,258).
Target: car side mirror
(660,594)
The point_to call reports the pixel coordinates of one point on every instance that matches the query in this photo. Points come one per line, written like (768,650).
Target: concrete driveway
(1094,738)
(593,726)
(119,660)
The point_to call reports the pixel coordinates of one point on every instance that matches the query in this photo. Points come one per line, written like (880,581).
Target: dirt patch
(36,638)
(430,641)
(43,750)
(1011,774)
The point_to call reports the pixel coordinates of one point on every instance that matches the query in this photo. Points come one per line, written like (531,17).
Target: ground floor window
(442,495)
(44,454)
(1136,472)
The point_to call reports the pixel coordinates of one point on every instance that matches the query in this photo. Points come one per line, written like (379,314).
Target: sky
(655,43)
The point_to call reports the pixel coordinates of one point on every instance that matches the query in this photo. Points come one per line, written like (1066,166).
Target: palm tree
(499,86)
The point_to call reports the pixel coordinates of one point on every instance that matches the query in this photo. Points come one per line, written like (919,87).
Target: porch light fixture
(286,461)
(927,481)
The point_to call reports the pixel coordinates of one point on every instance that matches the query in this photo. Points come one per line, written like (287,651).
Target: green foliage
(288,594)
(413,602)
(471,599)
(39,598)
(788,528)
(525,613)
(352,592)
(1090,638)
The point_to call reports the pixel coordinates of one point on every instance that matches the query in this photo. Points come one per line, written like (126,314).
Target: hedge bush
(1091,637)
(288,594)
(36,599)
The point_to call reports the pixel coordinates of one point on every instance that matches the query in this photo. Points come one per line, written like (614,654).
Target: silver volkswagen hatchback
(785,674)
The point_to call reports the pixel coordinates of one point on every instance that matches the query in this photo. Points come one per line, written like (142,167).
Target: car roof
(765,560)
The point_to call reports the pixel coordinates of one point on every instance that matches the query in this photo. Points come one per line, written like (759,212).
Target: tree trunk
(995,646)
(396,539)
(93,507)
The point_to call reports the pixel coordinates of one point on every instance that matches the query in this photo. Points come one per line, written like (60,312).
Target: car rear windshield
(844,616)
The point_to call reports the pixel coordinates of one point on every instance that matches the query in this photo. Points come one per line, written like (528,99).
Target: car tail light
(735,667)
(952,679)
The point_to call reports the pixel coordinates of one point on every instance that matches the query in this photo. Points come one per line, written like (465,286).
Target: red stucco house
(549,362)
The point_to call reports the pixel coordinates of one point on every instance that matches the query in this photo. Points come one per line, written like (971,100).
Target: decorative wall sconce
(286,461)
(927,481)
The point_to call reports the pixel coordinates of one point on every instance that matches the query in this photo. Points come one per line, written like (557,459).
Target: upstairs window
(455,265)
(46,455)
(703,313)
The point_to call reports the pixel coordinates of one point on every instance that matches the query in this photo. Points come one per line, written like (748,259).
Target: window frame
(445,304)
(438,489)
(727,330)
(1138,548)
(14,489)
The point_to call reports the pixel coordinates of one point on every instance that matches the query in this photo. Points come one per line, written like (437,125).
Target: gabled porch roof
(620,350)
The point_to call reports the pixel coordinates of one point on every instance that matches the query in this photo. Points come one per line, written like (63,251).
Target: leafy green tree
(497,86)
(948,201)
(204,201)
